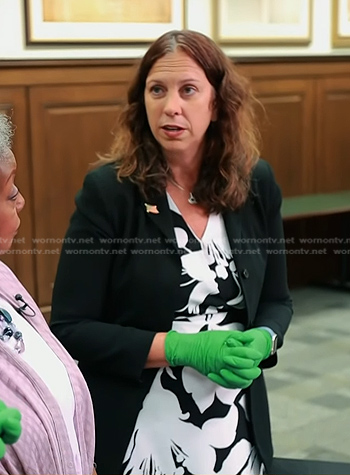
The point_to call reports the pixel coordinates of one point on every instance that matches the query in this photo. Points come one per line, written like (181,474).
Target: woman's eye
(189,90)
(14,193)
(156,90)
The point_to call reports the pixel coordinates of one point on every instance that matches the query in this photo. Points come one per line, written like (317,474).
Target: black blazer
(117,284)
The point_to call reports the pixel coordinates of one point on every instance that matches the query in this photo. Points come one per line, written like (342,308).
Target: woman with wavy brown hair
(171,290)
(230,148)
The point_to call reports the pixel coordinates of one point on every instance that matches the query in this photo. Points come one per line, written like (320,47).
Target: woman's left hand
(259,340)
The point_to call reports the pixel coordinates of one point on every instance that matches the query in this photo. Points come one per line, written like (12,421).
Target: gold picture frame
(262,22)
(341,23)
(101,21)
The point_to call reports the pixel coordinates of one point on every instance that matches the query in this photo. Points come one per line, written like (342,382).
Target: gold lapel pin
(151,208)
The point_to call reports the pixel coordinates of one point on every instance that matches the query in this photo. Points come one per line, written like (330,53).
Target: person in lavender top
(41,386)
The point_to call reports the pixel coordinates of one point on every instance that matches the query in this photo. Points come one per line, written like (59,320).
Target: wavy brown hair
(230,150)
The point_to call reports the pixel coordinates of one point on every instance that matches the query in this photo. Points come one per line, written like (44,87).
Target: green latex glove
(210,352)
(10,426)
(257,339)
(243,357)
(235,378)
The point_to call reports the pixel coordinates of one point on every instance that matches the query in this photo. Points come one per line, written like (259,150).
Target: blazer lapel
(233,224)
(159,212)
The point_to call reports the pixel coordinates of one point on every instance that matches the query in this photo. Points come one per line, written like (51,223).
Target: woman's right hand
(10,426)
(217,354)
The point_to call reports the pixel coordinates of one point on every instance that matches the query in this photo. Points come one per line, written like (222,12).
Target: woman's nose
(172,104)
(20,202)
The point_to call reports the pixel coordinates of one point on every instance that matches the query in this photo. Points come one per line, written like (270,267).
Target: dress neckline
(173,207)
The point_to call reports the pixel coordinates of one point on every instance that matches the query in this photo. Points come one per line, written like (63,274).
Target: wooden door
(332,166)
(287,126)
(70,125)
(20,258)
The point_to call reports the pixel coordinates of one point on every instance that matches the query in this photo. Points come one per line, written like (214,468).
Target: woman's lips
(172,131)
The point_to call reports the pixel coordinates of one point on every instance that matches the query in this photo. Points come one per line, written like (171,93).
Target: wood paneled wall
(76,122)
(305,125)
(13,101)
(286,125)
(333,132)
(65,112)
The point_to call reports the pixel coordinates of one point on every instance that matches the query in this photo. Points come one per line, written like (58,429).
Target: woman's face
(11,201)
(180,104)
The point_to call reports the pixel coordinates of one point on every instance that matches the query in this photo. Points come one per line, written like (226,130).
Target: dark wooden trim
(69,62)
(73,71)
(289,59)
(47,73)
(59,63)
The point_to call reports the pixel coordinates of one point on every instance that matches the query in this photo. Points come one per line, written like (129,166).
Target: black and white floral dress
(188,424)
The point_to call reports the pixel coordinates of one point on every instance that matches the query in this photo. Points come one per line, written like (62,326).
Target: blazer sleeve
(275,303)
(81,286)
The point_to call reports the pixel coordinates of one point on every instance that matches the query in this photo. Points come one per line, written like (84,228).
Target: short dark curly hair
(6,133)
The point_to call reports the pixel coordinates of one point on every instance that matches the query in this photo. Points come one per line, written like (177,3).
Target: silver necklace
(191,199)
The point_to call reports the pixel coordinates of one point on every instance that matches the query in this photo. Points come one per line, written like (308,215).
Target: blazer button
(245,273)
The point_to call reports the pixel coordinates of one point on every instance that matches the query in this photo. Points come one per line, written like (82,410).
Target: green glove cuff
(175,347)
(268,340)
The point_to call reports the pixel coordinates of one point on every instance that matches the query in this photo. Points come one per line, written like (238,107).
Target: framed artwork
(262,22)
(101,21)
(341,23)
